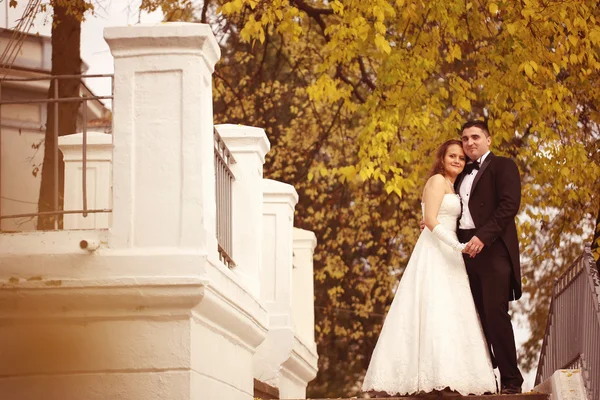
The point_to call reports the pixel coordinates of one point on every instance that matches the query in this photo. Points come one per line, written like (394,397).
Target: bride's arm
(433,194)
(435,188)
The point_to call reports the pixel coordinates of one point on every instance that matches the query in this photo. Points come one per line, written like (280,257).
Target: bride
(432,339)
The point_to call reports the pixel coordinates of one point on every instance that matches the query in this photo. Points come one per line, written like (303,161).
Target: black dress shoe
(510,389)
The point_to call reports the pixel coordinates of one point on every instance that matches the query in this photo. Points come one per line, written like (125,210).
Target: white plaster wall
(35,52)
(220,367)
(20,188)
(230,323)
(121,325)
(93,345)
(80,325)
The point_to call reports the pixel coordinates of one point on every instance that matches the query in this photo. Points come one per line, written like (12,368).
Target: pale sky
(95,52)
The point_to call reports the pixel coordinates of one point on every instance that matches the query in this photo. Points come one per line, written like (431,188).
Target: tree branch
(312,11)
(339,74)
(235,93)
(205,5)
(316,14)
(260,68)
(365,76)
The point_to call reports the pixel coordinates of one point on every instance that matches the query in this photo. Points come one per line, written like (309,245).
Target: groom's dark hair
(477,123)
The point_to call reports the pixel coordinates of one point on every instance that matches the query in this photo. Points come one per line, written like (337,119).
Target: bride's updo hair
(438,163)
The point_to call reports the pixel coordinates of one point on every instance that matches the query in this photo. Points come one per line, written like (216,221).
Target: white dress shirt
(466,220)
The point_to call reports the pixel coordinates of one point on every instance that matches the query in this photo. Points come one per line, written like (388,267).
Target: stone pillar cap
(304,239)
(245,139)
(279,192)
(164,38)
(93,137)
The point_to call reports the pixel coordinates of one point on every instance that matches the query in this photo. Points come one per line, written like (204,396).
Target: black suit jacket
(494,201)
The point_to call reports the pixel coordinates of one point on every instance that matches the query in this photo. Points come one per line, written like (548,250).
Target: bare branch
(340,75)
(205,5)
(316,14)
(365,75)
(312,11)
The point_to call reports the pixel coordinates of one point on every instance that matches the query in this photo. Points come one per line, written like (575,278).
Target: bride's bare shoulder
(435,183)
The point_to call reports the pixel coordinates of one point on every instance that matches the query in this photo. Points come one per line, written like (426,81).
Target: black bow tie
(471,166)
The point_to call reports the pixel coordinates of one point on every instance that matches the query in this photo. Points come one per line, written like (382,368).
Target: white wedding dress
(432,338)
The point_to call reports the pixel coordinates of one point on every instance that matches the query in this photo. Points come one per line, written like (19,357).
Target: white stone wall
(147,310)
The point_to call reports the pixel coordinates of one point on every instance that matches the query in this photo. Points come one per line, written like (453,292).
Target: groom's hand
(474,246)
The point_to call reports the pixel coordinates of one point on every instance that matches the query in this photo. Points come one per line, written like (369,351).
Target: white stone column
(249,145)
(98,179)
(303,303)
(301,367)
(276,280)
(163,181)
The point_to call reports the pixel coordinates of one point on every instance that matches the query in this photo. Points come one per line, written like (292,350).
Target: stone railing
(138,304)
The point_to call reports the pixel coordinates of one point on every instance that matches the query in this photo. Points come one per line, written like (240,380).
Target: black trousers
(490,273)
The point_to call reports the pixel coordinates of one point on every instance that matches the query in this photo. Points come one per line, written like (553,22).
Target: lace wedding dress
(432,338)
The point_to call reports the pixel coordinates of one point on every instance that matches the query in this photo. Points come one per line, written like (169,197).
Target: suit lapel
(482,169)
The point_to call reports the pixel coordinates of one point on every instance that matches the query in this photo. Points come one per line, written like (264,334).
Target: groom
(490,191)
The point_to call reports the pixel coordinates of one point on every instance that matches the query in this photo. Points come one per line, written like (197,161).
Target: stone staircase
(524,396)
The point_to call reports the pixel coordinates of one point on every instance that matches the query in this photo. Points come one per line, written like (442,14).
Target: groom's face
(475,142)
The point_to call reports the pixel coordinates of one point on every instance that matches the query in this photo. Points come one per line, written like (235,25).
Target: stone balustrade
(145,309)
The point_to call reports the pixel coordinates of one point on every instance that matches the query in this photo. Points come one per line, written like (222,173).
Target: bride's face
(454,160)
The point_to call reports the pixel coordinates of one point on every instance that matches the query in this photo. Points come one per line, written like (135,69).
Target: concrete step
(523,396)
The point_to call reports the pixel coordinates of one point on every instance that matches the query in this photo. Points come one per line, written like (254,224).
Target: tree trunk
(66,60)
